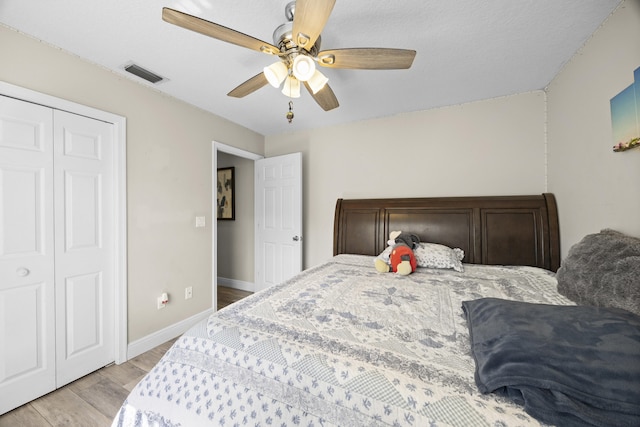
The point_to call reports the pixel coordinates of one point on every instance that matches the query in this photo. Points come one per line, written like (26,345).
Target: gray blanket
(568,365)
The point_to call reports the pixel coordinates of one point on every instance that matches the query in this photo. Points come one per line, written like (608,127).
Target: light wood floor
(228,296)
(95,399)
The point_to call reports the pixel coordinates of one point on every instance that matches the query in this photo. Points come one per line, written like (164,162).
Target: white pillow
(433,255)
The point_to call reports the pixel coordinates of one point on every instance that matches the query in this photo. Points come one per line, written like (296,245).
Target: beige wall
(236,238)
(595,187)
(491,147)
(168,174)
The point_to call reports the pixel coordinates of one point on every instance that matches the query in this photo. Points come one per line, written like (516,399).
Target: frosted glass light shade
(317,81)
(276,73)
(303,67)
(291,87)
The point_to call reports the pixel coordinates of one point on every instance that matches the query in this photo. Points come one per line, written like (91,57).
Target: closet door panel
(83,299)
(82,211)
(84,245)
(27,315)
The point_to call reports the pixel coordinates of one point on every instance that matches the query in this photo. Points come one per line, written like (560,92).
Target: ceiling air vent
(144,74)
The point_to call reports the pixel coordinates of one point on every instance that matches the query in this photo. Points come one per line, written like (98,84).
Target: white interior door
(278,219)
(84,245)
(27,322)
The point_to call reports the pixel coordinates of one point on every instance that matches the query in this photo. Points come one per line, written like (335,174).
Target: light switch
(200,221)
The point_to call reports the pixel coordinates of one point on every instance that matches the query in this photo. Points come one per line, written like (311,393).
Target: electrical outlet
(163,300)
(188,292)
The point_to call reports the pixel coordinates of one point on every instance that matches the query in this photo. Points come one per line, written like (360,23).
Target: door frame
(119,152)
(219,146)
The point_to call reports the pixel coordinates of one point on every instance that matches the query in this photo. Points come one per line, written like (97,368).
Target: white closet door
(56,249)
(84,245)
(27,322)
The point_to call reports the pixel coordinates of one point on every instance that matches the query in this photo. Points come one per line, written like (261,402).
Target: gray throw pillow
(603,270)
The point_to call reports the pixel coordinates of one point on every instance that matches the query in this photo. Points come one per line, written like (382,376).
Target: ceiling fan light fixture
(291,87)
(276,73)
(303,67)
(317,81)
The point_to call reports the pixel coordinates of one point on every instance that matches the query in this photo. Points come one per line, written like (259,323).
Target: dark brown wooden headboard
(498,230)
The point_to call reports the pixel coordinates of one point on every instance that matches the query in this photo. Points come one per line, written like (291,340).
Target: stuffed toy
(401,257)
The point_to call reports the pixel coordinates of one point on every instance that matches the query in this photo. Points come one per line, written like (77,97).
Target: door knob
(23,271)
(296,238)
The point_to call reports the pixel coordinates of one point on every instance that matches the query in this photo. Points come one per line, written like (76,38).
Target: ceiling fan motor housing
(283,38)
(283,35)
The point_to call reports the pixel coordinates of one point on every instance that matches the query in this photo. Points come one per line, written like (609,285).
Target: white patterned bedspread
(339,344)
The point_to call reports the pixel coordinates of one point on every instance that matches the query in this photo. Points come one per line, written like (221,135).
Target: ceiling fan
(297,45)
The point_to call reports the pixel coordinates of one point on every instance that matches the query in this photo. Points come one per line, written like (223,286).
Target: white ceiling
(467,50)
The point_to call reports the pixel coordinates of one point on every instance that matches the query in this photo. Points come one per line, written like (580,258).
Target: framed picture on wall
(226,197)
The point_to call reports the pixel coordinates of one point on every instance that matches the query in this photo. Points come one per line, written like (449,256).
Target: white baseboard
(162,336)
(237,284)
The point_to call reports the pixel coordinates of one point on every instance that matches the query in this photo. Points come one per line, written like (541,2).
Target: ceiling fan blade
(250,86)
(216,31)
(324,97)
(309,19)
(367,58)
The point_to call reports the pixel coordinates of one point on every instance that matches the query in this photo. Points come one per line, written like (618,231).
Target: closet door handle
(23,271)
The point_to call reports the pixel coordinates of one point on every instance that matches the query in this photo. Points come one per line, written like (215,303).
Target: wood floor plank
(65,408)
(123,373)
(146,361)
(85,382)
(106,396)
(25,415)
(227,296)
(134,382)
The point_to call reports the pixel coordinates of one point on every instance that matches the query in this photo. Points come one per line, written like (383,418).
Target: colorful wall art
(625,116)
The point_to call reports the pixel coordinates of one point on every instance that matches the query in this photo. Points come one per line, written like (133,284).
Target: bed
(342,344)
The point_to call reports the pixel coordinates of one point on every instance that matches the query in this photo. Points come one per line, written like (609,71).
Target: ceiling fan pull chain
(290,112)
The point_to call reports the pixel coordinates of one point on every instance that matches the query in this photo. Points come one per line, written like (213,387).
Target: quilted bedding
(339,344)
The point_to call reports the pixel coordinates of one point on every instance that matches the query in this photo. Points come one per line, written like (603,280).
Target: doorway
(222,148)
(276,219)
